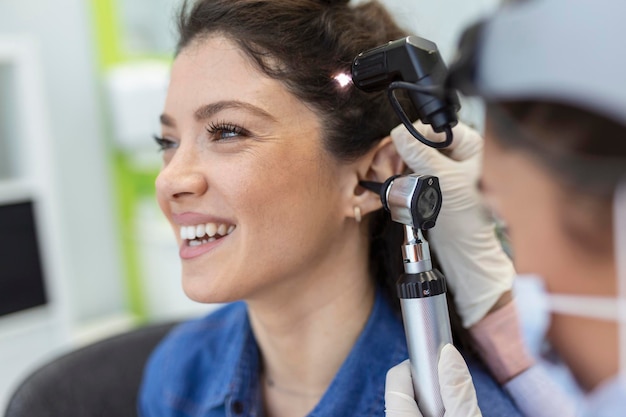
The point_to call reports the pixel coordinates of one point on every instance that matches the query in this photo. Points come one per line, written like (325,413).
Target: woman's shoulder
(205,334)
(493,400)
(198,341)
(195,358)
(221,319)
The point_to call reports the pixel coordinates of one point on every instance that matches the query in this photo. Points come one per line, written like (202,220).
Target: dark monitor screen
(21,276)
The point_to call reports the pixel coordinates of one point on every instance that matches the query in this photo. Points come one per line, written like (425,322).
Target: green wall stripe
(107,32)
(131,184)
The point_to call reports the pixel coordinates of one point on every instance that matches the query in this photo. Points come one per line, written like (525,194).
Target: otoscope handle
(427,328)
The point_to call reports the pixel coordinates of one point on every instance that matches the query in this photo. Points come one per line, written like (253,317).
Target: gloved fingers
(420,158)
(466,143)
(428,132)
(457,389)
(399,396)
(475,264)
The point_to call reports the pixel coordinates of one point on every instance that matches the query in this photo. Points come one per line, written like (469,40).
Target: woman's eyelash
(217,130)
(163,144)
(225,131)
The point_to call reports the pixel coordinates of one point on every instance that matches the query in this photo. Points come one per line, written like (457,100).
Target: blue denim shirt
(210,367)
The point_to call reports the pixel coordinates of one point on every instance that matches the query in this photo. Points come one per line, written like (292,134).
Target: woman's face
(254,199)
(538,210)
(526,197)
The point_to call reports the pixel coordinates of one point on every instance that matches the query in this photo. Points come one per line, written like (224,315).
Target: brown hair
(303,44)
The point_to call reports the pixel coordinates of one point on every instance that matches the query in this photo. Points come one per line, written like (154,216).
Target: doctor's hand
(455,382)
(476,267)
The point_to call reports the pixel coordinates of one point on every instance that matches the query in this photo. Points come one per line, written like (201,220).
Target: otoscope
(414,64)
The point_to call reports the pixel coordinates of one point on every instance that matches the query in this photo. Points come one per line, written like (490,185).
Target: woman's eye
(164,144)
(225,131)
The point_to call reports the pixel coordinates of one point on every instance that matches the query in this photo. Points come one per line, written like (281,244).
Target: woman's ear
(385,162)
(380,163)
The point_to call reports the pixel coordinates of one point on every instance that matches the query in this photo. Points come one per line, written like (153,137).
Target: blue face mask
(536,305)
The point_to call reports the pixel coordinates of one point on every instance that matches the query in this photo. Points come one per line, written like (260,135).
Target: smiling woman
(230,160)
(263,151)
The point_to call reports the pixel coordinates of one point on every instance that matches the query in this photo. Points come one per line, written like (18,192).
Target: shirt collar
(358,387)
(237,369)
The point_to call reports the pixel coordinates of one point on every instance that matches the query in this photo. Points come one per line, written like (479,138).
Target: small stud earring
(357,214)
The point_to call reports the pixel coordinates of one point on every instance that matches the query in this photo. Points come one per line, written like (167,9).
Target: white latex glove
(455,382)
(476,267)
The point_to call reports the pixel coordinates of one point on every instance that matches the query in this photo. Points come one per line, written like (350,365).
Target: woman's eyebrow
(480,185)
(167,120)
(209,110)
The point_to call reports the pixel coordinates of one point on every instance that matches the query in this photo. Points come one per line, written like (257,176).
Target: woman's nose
(181,177)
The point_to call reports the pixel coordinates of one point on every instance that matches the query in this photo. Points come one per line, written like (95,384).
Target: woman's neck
(593,357)
(305,331)
(588,346)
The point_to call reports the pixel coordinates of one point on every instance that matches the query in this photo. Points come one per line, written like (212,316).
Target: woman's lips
(200,233)
(190,249)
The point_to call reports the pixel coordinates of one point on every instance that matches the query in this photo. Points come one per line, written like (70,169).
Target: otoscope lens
(427,202)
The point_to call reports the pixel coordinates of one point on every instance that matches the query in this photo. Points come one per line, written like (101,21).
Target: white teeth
(211,229)
(195,243)
(206,229)
(187,232)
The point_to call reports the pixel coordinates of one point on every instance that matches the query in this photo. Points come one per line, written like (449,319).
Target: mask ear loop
(619,217)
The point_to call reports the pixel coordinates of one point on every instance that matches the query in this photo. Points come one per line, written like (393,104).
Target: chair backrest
(101,379)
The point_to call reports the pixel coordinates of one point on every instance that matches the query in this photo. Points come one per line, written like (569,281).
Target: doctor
(552,166)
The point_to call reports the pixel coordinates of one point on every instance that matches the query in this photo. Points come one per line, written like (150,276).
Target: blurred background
(84,250)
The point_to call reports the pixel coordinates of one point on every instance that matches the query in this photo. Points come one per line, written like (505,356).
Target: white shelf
(33,335)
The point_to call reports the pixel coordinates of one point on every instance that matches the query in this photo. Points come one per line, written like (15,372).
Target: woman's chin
(207,290)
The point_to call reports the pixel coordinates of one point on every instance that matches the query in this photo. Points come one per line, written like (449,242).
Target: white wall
(62,30)
(441,21)
(85,230)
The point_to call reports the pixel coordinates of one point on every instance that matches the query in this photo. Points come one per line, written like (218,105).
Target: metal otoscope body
(414,201)
(414,64)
